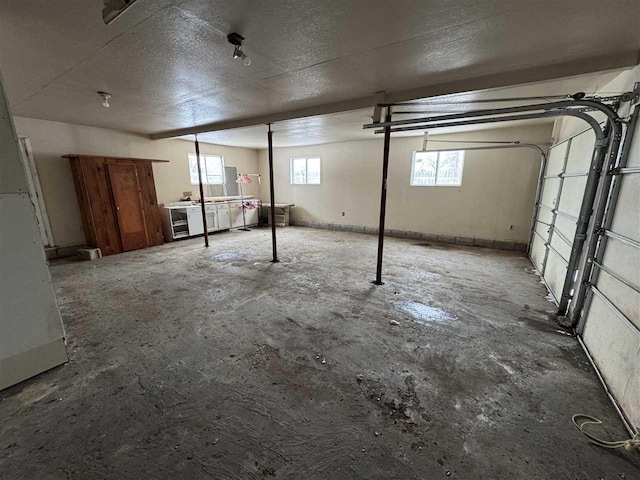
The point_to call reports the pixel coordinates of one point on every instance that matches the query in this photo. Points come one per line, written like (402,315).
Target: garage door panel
(622,260)
(542,229)
(566,226)
(556,159)
(623,297)
(572,193)
(581,152)
(626,218)
(561,246)
(615,348)
(555,272)
(545,215)
(550,192)
(537,252)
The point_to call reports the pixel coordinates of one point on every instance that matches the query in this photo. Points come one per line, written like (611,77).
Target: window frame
(436,184)
(306,169)
(203,158)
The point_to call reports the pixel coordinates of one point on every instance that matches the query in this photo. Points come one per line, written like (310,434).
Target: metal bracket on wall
(377,107)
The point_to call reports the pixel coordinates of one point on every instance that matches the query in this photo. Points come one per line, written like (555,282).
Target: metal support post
(272,197)
(383,197)
(204,212)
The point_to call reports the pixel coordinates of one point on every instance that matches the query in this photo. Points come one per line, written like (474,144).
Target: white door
(194,220)
(224,219)
(212,219)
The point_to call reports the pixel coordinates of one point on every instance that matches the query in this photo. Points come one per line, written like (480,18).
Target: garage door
(609,326)
(562,191)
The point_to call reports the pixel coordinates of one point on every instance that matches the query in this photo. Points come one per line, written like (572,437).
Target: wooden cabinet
(117,198)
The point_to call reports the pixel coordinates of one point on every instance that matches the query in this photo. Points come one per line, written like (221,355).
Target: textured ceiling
(168,65)
(347,126)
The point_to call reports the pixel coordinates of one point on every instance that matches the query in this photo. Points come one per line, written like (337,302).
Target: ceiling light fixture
(236,40)
(105,99)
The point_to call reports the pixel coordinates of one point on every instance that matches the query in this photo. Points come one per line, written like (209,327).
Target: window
(212,167)
(305,171)
(437,168)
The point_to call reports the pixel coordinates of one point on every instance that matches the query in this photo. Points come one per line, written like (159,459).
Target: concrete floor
(193,363)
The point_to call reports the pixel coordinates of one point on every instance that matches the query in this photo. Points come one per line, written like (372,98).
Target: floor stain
(424,313)
(228,257)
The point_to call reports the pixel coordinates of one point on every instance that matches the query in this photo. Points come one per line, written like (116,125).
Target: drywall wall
(31,333)
(51,140)
(494,202)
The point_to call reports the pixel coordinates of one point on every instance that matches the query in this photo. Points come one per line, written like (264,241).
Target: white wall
(31,334)
(494,202)
(51,140)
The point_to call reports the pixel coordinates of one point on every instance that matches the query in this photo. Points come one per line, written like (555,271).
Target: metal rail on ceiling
(498,100)
(595,126)
(565,104)
(490,147)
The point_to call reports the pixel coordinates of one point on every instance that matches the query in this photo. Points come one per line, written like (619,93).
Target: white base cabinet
(251,217)
(183,222)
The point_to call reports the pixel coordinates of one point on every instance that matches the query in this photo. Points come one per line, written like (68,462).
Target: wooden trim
(81,156)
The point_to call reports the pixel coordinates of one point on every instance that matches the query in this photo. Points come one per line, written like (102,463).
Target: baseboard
(32,362)
(433,237)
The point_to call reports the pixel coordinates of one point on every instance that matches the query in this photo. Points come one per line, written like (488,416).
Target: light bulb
(105,99)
